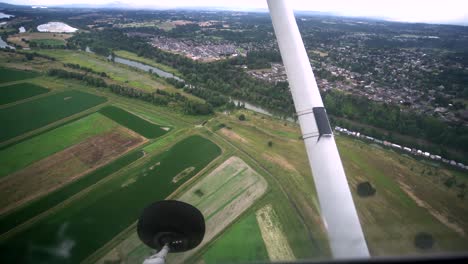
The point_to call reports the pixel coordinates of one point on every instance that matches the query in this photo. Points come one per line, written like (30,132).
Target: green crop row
(21,118)
(133,122)
(76,231)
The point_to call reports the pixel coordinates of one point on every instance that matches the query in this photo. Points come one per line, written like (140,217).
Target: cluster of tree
(226,78)
(89,80)
(214,98)
(261,59)
(176,83)
(83,68)
(393,118)
(159,97)
(46,46)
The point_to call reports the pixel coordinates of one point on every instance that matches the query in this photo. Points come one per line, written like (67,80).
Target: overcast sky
(432,11)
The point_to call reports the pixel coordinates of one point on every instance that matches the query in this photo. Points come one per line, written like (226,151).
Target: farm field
(49,42)
(407,201)
(68,234)
(133,122)
(16,92)
(62,167)
(117,72)
(222,196)
(274,237)
(295,201)
(411,195)
(27,116)
(10,75)
(24,153)
(258,197)
(244,236)
(44,203)
(40,38)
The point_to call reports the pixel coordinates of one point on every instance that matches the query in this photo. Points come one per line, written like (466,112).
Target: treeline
(228,79)
(261,59)
(159,97)
(89,80)
(224,77)
(212,97)
(393,118)
(86,69)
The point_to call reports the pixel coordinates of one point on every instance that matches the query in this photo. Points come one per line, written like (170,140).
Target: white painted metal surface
(336,203)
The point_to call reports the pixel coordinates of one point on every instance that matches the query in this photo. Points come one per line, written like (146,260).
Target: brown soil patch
(65,166)
(438,215)
(233,135)
(279,160)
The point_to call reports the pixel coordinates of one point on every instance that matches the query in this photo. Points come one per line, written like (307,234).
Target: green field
(10,75)
(42,204)
(133,122)
(49,42)
(20,91)
(26,152)
(88,223)
(239,244)
(27,116)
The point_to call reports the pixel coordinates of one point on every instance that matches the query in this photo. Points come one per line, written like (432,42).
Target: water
(145,67)
(258,109)
(252,107)
(3,44)
(3,15)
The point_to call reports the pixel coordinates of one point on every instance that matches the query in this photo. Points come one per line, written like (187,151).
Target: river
(3,15)
(259,109)
(147,68)
(3,44)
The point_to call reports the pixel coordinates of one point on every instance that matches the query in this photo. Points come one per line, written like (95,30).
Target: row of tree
(159,97)
(228,79)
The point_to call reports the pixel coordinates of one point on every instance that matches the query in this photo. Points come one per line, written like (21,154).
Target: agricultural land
(87,142)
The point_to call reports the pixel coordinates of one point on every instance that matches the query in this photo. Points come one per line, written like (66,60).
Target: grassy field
(49,42)
(133,122)
(20,91)
(65,166)
(411,195)
(294,199)
(86,224)
(240,243)
(38,206)
(10,75)
(132,56)
(222,196)
(25,117)
(407,201)
(26,152)
(39,37)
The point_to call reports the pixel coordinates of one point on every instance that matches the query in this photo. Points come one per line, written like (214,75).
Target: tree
(29,56)
(242,117)
(270,143)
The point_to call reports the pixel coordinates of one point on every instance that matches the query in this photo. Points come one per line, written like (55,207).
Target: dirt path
(438,215)
(233,135)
